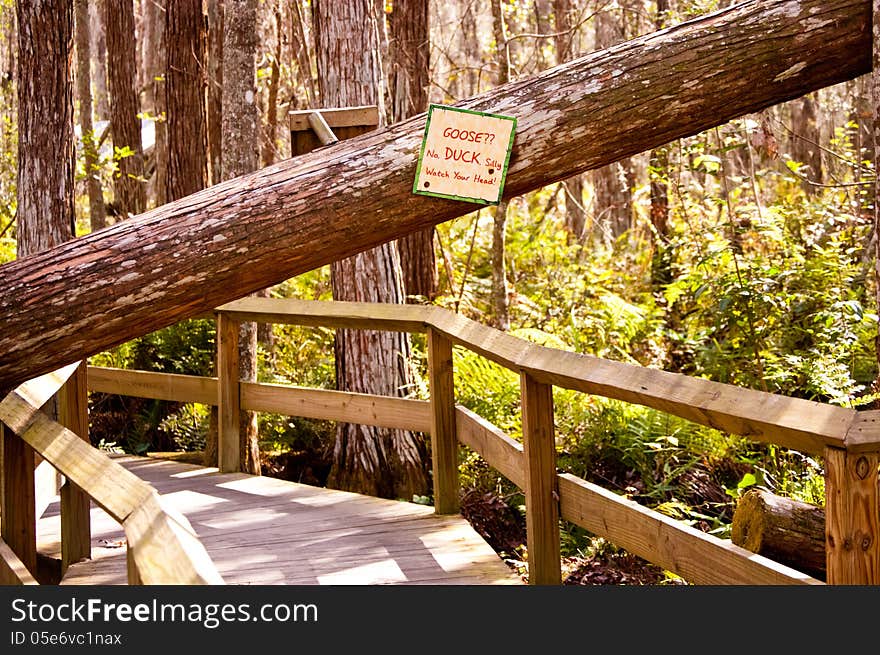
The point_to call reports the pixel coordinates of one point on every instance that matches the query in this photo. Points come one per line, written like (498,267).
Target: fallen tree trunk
(785,530)
(186,257)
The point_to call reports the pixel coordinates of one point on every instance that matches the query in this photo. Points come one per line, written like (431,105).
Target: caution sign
(464,155)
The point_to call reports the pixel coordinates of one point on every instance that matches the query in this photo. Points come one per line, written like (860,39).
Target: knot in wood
(862,467)
(866,542)
(847,544)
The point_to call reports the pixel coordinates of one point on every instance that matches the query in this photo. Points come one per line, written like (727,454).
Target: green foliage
(188,426)
(488,389)
(140,425)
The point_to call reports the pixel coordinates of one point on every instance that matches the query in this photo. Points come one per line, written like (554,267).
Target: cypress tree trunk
(241,138)
(154,94)
(46,156)
(125,126)
(612,196)
(270,134)
(366,459)
(575,214)
(804,143)
(187,166)
(658,174)
(216,41)
(97,211)
(875,101)
(100,96)
(500,299)
(410,51)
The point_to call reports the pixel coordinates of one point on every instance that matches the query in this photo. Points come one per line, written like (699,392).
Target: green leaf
(748,480)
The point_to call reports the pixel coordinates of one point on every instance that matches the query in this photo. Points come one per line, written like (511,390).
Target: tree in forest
(658,174)
(186,169)
(153,103)
(101,96)
(45,198)
(612,193)
(215,41)
(125,125)
(185,163)
(410,54)
(875,104)
(805,142)
(377,461)
(573,187)
(46,160)
(270,133)
(500,299)
(240,148)
(97,210)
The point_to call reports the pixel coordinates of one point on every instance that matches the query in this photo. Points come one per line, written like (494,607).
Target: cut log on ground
(785,530)
(184,258)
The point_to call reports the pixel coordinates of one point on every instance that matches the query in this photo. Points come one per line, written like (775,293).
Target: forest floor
(504,530)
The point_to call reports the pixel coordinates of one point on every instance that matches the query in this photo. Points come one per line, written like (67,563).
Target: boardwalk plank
(262,530)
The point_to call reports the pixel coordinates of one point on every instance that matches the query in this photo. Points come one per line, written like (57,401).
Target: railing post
(73,413)
(134,576)
(444,441)
(229,395)
(852,514)
(542,496)
(18,525)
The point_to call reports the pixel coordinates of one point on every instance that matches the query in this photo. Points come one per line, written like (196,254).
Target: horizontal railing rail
(795,423)
(697,557)
(162,546)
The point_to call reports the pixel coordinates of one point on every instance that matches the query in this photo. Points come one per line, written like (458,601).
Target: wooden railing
(848,440)
(162,546)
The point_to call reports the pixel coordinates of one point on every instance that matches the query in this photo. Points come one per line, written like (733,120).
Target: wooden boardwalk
(261,530)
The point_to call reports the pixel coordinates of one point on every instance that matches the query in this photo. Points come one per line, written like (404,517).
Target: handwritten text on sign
(464,155)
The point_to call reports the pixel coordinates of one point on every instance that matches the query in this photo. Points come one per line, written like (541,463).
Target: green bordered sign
(464,155)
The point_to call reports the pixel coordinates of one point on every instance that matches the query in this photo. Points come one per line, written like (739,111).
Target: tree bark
(875,102)
(575,213)
(410,52)
(500,297)
(270,134)
(125,126)
(184,259)
(241,138)
(366,459)
(216,41)
(97,211)
(804,143)
(187,166)
(304,56)
(101,96)
(785,530)
(154,95)
(46,157)
(470,45)
(612,194)
(658,176)
(500,291)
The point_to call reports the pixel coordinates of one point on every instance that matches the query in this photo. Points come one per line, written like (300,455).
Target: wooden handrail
(708,560)
(685,551)
(842,435)
(848,440)
(803,425)
(163,547)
